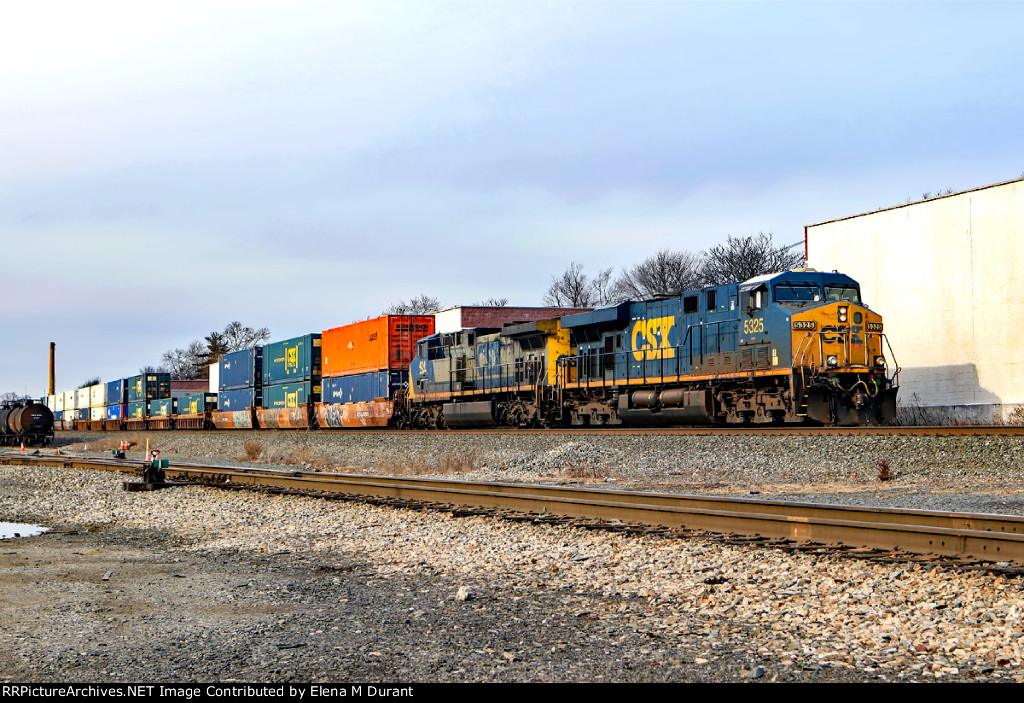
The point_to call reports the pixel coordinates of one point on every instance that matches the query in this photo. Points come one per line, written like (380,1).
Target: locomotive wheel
(518,415)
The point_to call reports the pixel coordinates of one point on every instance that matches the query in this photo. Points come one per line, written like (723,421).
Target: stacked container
(197,404)
(365,364)
(97,406)
(291,381)
(117,398)
(161,408)
(142,389)
(149,386)
(98,395)
(240,388)
(68,417)
(82,408)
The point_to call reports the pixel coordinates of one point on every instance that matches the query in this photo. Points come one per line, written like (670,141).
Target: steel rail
(963,535)
(760,430)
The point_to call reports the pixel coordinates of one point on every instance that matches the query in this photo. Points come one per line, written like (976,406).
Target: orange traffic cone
(22,446)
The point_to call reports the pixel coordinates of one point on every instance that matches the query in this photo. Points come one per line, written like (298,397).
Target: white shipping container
(98,396)
(69,400)
(98,413)
(51,402)
(214,377)
(82,398)
(58,402)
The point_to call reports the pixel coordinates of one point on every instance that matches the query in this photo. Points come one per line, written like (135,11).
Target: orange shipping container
(383,343)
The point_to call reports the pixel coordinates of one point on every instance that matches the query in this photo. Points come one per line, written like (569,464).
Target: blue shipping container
(293,360)
(149,386)
(241,369)
(364,387)
(197,403)
(117,393)
(240,399)
(290,395)
(162,408)
(115,412)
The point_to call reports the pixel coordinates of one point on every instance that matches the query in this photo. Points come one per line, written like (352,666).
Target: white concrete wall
(944,274)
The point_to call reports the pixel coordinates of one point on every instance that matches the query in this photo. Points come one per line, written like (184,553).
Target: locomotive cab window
(849,293)
(690,304)
(792,292)
(754,299)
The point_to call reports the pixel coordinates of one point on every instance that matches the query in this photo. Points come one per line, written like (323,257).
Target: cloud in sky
(170,167)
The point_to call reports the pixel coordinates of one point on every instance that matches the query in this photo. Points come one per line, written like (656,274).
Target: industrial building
(468,316)
(944,273)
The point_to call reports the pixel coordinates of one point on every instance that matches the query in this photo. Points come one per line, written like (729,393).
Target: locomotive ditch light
(832,360)
(880,362)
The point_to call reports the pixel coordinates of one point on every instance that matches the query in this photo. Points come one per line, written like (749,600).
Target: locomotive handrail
(805,345)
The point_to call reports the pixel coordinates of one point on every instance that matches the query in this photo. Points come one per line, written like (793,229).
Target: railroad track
(760,430)
(964,536)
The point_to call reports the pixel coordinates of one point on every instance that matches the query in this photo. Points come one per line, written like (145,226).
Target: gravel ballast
(217,585)
(952,474)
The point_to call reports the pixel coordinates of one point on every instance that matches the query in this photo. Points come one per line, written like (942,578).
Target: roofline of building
(507,307)
(916,202)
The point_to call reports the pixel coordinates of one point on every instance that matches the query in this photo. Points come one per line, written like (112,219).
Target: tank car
(28,421)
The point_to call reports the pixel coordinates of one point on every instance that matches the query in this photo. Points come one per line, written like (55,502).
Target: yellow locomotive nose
(837,336)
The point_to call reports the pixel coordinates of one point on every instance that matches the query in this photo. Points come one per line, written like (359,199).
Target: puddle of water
(17,529)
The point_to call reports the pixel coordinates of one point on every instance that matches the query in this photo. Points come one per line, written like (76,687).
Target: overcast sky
(167,167)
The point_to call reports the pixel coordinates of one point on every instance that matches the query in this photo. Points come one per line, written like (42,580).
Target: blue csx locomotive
(791,347)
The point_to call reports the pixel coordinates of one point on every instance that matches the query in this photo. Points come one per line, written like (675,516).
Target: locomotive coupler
(860,399)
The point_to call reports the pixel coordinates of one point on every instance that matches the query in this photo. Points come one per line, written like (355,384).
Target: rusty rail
(962,535)
(761,430)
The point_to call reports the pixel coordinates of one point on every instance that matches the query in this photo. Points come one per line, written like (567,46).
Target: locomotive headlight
(880,362)
(832,360)
(842,313)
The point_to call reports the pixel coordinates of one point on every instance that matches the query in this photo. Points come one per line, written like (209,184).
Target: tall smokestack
(53,384)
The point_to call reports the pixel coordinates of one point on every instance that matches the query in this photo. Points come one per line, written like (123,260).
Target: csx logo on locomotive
(835,334)
(651,338)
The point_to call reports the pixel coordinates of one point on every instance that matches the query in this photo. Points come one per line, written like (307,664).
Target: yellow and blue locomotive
(784,348)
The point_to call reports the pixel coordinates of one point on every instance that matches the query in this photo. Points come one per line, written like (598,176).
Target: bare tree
(492,303)
(575,289)
(742,258)
(237,336)
(188,363)
(192,361)
(10,397)
(665,273)
(421,305)
(90,382)
(154,369)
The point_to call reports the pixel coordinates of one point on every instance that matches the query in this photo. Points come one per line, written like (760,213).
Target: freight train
(793,347)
